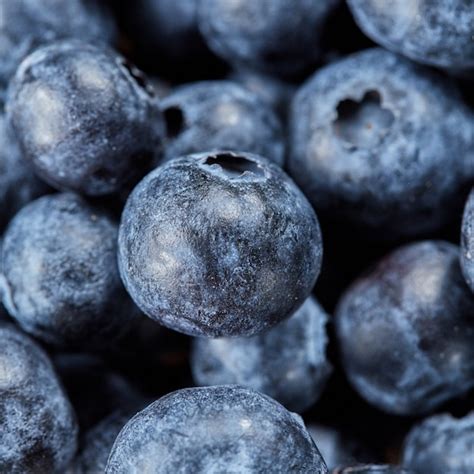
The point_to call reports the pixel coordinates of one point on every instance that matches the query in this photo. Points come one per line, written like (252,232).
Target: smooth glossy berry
(219,244)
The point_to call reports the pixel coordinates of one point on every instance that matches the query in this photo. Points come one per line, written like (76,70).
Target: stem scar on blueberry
(362,123)
(233,166)
(138,76)
(174,121)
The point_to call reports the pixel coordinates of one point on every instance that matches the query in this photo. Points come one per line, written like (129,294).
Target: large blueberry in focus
(219,244)
(372,138)
(18,183)
(467,242)
(441,445)
(274,36)
(27,24)
(220,115)
(85,118)
(434,32)
(215,429)
(38,428)
(60,278)
(288,362)
(406,330)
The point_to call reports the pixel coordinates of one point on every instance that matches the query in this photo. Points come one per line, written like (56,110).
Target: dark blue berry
(406,332)
(274,36)
(288,362)
(441,445)
(215,429)
(373,469)
(220,115)
(85,118)
(219,244)
(60,275)
(372,138)
(434,32)
(467,242)
(38,428)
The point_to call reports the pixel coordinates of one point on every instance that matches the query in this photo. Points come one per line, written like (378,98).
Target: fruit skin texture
(373,469)
(371,139)
(288,362)
(441,444)
(84,118)
(273,36)
(18,184)
(220,115)
(219,244)
(467,242)
(60,277)
(39,431)
(215,429)
(433,32)
(405,330)
(29,24)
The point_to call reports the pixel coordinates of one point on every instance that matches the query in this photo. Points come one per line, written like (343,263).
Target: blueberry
(371,139)
(18,184)
(272,90)
(273,36)
(434,32)
(467,242)
(98,442)
(38,428)
(288,362)
(220,115)
(215,429)
(337,448)
(85,118)
(219,244)
(60,275)
(406,332)
(441,445)
(373,469)
(26,25)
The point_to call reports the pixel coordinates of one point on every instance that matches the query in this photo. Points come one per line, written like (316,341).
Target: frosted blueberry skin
(371,139)
(98,442)
(288,362)
(60,278)
(467,242)
(405,330)
(219,244)
(215,429)
(85,118)
(220,115)
(26,25)
(441,445)
(433,32)
(18,184)
(373,469)
(39,431)
(273,36)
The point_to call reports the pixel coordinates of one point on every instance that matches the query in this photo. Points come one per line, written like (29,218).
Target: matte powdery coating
(219,244)
(467,242)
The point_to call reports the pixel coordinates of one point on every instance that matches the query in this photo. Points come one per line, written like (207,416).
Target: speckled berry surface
(85,118)
(220,115)
(441,444)
(288,362)
(216,429)
(371,139)
(60,277)
(373,469)
(38,428)
(433,32)
(406,332)
(219,244)
(467,242)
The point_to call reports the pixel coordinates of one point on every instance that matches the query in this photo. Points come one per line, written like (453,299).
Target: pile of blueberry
(256,256)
